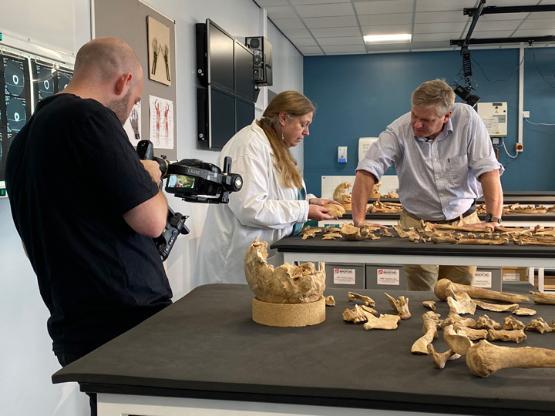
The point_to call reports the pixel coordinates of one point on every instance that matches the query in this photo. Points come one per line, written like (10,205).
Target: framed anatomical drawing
(159,67)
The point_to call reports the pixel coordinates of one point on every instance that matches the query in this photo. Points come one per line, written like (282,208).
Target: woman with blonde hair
(272,203)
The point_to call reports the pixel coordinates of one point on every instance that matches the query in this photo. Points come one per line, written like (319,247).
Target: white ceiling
(333,27)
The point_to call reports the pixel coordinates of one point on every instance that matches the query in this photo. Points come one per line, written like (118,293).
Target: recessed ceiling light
(392,38)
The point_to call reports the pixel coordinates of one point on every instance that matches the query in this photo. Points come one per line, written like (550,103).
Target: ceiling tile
(542,16)
(385,19)
(441,17)
(481,34)
(438,27)
(343,49)
(498,25)
(502,16)
(336,31)
(303,42)
(443,5)
(383,6)
(285,23)
(434,37)
(326,10)
(340,21)
(347,40)
(533,32)
(311,50)
(268,3)
(281,11)
(299,33)
(538,24)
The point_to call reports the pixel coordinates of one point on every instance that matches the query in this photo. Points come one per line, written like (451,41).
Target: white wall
(26,359)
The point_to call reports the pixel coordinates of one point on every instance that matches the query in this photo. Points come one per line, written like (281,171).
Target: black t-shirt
(71,174)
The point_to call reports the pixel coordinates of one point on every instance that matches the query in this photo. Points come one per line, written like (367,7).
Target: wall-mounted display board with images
(25,79)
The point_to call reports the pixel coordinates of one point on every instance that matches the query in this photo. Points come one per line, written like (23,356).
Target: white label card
(344,276)
(482,279)
(388,277)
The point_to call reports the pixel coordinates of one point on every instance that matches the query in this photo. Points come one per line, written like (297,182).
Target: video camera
(191,180)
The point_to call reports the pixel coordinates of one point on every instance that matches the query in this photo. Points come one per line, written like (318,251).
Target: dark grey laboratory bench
(206,346)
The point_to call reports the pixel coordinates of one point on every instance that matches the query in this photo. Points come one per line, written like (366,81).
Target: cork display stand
(289,314)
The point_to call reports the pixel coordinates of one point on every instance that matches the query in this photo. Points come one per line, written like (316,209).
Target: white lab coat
(263,208)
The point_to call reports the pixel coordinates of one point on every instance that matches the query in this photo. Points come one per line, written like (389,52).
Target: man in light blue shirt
(444,159)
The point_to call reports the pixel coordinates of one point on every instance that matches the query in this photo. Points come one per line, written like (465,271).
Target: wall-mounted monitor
(226,95)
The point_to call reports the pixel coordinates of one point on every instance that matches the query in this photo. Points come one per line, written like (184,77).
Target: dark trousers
(67,357)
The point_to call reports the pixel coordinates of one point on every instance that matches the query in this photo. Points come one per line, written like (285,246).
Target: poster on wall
(133,125)
(159,59)
(161,122)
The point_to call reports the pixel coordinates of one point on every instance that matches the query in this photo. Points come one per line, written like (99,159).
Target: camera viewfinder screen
(180,182)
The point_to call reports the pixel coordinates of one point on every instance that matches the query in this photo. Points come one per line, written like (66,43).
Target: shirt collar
(446,131)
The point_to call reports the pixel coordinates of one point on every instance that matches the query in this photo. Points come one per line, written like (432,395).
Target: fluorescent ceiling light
(396,37)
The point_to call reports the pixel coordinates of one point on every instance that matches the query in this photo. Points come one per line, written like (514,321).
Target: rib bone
(442,290)
(494,307)
(484,359)
(543,298)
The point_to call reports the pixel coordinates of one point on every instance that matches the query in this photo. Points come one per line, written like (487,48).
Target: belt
(465,214)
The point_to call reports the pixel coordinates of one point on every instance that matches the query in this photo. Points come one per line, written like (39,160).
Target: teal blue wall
(358,95)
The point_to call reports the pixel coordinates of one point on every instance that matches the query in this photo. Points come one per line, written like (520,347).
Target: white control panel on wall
(364,144)
(494,116)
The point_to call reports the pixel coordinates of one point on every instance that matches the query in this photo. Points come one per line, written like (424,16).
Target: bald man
(86,207)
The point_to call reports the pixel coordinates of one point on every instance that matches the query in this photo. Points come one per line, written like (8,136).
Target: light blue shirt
(437,178)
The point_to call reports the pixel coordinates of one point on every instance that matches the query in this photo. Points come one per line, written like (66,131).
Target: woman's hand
(318,212)
(322,201)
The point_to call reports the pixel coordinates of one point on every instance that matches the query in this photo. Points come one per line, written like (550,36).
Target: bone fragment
(442,290)
(511,323)
(310,232)
(335,210)
(383,322)
(495,307)
(358,314)
(539,325)
(366,300)
(515,335)
(484,359)
(429,304)
(330,300)
(460,303)
(485,322)
(401,305)
(457,343)
(351,232)
(524,312)
(543,298)
(440,358)
(332,235)
(430,323)
(453,319)
(283,284)
(471,333)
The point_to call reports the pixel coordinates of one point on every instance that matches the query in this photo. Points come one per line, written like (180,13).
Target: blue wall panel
(358,95)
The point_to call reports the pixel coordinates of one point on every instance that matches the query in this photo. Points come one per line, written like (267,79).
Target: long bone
(430,323)
(444,287)
(484,358)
